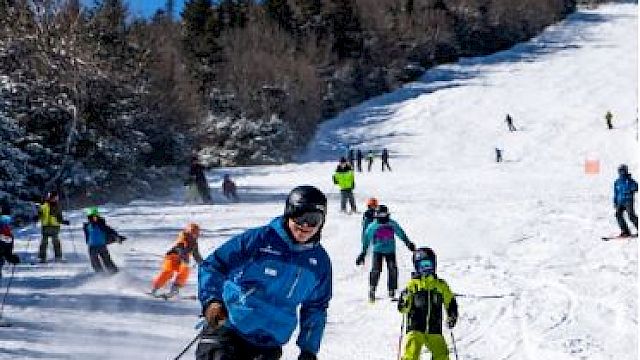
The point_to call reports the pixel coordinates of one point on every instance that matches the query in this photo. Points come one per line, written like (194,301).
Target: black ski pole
(453,341)
(73,242)
(189,345)
(4,298)
(400,338)
(484,296)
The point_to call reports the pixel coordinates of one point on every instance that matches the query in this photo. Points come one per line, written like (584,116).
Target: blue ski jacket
(262,276)
(382,235)
(623,190)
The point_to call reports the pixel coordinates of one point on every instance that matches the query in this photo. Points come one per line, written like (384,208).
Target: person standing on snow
(345,179)
(609,117)
(422,301)
(252,286)
(50,215)
(97,235)
(176,260)
(198,179)
(229,188)
(623,190)
(359,160)
(370,157)
(6,242)
(385,159)
(509,121)
(381,233)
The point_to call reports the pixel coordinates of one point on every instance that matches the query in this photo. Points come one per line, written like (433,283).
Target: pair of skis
(619,237)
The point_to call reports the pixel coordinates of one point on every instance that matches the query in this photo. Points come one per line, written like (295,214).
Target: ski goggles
(425,266)
(311,219)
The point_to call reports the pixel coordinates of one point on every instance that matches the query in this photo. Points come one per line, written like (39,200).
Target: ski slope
(520,239)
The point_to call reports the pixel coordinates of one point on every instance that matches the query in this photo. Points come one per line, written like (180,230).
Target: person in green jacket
(50,215)
(422,301)
(345,179)
(381,233)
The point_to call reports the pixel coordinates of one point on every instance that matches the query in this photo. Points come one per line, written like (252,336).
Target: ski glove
(65,222)
(451,321)
(360,259)
(305,355)
(411,246)
(121,239)
(13,258)
(216,314)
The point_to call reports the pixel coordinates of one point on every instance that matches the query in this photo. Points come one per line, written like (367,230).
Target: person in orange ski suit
(177,260)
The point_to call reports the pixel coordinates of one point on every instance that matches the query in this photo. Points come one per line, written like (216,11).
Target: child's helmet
(623,169)
(424,261)
(372,202)
(93,211)
(5,220)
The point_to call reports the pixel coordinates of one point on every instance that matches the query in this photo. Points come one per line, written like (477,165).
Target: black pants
(347,195)
(52,232)
(385,163)
(225,344)
(376,269)
(97,253)
(620,209)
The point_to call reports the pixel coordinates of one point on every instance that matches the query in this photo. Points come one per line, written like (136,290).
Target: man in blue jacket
(623,190)
(252,285)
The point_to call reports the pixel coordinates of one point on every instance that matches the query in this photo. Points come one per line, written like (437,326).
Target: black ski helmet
(305,198)
(425,261)
(623,169)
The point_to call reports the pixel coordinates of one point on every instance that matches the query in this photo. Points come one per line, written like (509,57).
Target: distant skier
(359,160)
(368,215)
(352,156)
(509,121)
(261,285)
(97,235)
(198,181)
(229,188)
(381,233)
(370,157)
(623,191)
(176,261)
(609,117)
(498,155)
(385,159)
(345,179)
(50,215)
(422,301)
(6,242)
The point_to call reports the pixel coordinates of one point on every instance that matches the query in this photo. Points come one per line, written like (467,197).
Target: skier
(229,188)
(422,302)
(369,160)
(345,179)
(352,157)
(6,242)
(498,155)
(253,287)
(198,180)
(382,232)
(176,260)
(97,235)
(359,160)
(50,215)
(509,121)
(385,159)
(609,117)
(623,191)
(368,216)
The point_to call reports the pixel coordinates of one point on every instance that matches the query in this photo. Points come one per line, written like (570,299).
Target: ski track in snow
(519,240)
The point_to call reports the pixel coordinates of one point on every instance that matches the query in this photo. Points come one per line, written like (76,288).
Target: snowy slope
(527,230)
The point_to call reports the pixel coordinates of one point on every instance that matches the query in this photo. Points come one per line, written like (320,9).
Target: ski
(618,237)
(169,296)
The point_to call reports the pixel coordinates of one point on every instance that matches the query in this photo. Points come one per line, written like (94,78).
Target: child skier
(177,261)
(6,242)
(97,235)
(422,302)
(382,232)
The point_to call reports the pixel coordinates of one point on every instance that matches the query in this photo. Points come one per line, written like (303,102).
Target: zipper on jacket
(295,283)
(428,310)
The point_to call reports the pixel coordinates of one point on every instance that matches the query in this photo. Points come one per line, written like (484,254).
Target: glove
(216,314)
(13,258)
(305,355)
(360,259)
(411,246)
(65,222)
(451,322)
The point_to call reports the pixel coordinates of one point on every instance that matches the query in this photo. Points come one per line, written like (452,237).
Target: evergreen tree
(345,28)
(280,11)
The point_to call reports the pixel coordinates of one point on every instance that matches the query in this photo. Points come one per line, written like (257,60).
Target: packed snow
(518,240)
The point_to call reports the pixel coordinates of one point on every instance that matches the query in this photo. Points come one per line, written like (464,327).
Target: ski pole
(484,296)
(4,298)
(189,346)
(73,242)
(400,338)
(453,341)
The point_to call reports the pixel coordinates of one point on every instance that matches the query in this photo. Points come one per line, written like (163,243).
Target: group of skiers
(355,157)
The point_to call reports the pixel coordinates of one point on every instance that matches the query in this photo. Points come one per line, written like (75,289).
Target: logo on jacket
(270,250)
(313,261)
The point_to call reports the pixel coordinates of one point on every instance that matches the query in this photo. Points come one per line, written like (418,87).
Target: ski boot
(392,294)
(175,289)
(372,295)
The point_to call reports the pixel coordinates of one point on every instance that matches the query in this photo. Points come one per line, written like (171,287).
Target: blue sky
(147,8)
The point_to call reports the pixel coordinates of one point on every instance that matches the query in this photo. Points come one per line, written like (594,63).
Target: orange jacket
(185,246)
